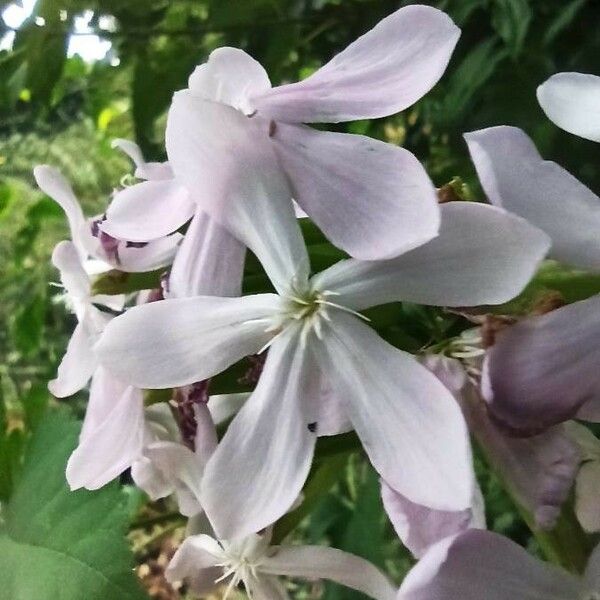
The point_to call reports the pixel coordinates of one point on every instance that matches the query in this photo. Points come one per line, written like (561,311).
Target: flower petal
(228,162)
(110,448)
(539,471)
(587,492)
(154,255)
(572,101)
(420,527)
(372,199)
(483,255)
(479,565)
(230,76)
(148,210)
(177,342)
(209,262)
(320,562)
(195,562)
(66,258)
(399,409)
(383,72)
(592,572)
(52,183)
(514,176)
(263,460)
(542,370)
(77,365)
(267,588)
(152,171)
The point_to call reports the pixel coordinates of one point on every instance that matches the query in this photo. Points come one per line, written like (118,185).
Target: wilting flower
(372,199)
(322,354)
(203,562)
(571,100)
(542,371)
(478,565)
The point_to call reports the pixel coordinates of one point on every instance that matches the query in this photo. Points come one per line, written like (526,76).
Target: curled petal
(177,342)
(572,101)
(153,255)
(482,255)
(529,384)
(514,176)
(383,72)
(372,199)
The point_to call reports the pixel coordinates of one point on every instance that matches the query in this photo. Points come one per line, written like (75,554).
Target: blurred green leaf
(118,282)
(511,19)
(60,544)
(28,326)
(11,451)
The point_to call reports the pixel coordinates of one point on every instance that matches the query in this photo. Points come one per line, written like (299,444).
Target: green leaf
(564,18)
(117,282)
(511,19)
(60,544)
(28,325)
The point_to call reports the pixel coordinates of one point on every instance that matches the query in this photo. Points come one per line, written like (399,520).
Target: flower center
(238,568)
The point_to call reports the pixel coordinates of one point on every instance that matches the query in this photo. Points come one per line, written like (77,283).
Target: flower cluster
(243,171)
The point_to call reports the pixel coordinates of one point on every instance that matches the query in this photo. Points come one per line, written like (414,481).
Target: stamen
(344,309)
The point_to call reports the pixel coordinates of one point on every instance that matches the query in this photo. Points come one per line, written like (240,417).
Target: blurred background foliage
(74,74)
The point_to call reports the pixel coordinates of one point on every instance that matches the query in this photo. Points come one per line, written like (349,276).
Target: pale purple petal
(177,342)
(152,171)
(420,527)
(153,255)
(224,406)
(539,471)
(52,183)
(483,255)
(572,101)
(320,562)
(383,72)
(514,176)
(544,369)
(480,565)
(587,493)
(148,210)
(263,460)
(210,261)
(66,258)
(228,162)
(399,409)
(195,563)
(267,588)
(110,448)
(592,572)
(372,199)
(230,76)
(77,365)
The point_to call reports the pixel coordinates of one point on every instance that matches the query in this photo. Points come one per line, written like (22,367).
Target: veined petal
(227,162)
(52,183)
(148,210)
(372,199)
(196,563)
(263,460)
(177,342)
(154,255)
(77,365)
(268,588)
(420,527)
(482,255)
(572,101)
(479,565)
(209,262)
(399,409)
(230,76)
(320,562)
(383,72)
(514,176)
(543,370)
(110,448)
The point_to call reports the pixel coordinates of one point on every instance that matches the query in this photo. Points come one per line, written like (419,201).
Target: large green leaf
(62,545)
